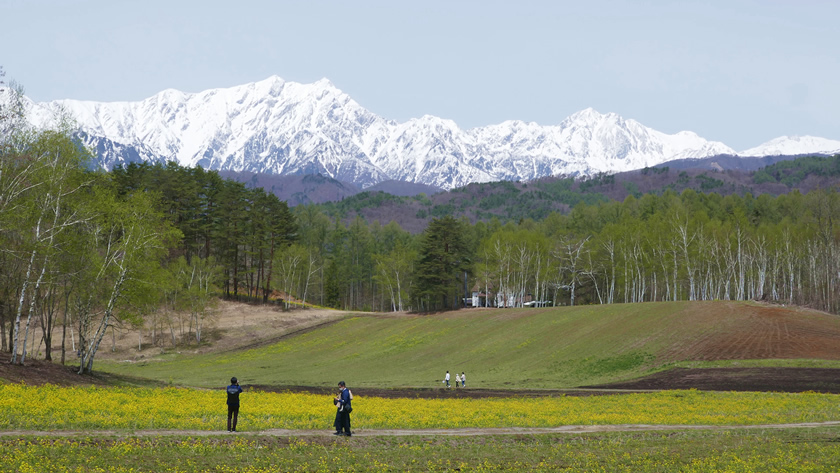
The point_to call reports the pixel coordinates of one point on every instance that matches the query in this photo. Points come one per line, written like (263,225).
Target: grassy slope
(511,348)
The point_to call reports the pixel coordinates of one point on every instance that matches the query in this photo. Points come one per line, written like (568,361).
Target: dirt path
(468,432)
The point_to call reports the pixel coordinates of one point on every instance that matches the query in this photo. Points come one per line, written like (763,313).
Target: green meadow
(528,348)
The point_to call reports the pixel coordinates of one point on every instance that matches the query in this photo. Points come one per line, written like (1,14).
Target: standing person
(446,379)
(342,417)
(463,380)
(233,403)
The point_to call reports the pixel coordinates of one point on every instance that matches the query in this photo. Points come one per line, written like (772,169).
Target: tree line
(686,246)
(668,247)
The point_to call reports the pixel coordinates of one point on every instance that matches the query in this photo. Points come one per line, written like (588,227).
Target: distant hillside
(513,201)
(316,188)
(728,162)
(402,188)
(296,190)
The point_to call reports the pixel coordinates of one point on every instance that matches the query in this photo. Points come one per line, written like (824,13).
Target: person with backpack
(344,405)
(233,392)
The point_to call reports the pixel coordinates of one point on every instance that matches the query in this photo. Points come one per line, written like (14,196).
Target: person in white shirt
(463,380)
(457,380)
(446,379)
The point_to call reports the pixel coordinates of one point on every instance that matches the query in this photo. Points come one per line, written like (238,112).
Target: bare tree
(568,253)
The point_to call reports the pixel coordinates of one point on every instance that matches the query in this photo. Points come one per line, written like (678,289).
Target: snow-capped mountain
(794,145)
(280,127)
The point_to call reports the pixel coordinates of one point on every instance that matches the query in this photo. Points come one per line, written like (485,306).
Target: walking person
(344,404)
(446,379)
(233,392)
(463,380)
(457,380)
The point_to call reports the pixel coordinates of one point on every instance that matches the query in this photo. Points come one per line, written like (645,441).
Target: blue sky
(740,72)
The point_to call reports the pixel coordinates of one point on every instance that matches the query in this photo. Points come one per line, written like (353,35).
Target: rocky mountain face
(286,128)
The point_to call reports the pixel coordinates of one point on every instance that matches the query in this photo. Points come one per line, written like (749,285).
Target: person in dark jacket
(233,403)
(344,404)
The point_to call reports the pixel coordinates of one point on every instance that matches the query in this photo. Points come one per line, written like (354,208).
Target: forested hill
(515,201)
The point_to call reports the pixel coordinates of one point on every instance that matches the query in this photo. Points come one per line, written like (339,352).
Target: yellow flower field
(67,408)
(687,452)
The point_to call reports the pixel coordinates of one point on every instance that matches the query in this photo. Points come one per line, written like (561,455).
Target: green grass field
(508,348)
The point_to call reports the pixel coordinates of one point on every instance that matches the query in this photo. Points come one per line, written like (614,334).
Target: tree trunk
(22,300)
(90,353)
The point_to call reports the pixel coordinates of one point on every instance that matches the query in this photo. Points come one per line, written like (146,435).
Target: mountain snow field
(279,127)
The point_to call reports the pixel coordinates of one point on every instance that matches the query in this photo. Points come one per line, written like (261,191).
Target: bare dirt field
(822,380)
(232,326)
(757,331)
(38,372)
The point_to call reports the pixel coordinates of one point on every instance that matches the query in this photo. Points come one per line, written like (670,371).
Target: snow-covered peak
(324,83)
(794,145)
(587,117)
(273,79)
(587,113)
(280,127)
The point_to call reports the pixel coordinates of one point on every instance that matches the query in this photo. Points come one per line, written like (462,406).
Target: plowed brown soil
(738,331)
(822,380)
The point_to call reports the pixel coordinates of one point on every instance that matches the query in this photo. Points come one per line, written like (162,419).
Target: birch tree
(394,271)
(131,237)
(50,209)
(570,262)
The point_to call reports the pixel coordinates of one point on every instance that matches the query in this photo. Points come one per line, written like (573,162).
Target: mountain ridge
(285,128)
